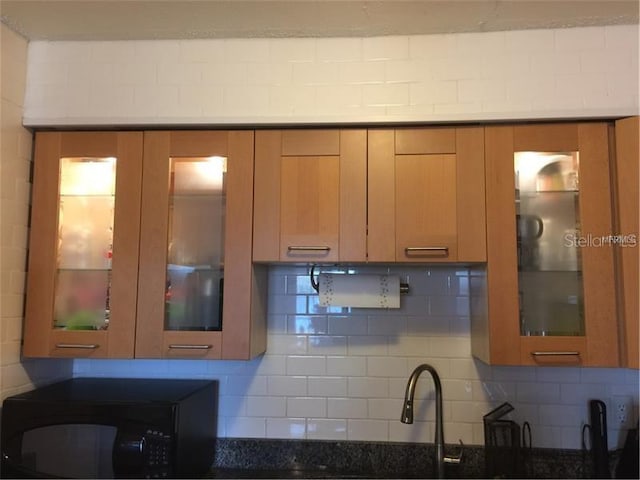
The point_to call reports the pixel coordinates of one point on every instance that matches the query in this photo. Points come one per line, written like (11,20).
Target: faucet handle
(454,459)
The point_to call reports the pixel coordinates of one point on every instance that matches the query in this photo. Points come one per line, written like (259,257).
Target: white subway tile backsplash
(347,325)
(386,366)
(367,345)
(266,406)
(246,385)
(367,387)
(383,325)
(563,415)
(326,429)
(449,347)
(560,375)
(327,345)
(458,431)
(306,365)
(535,393)
(408,345)
(286,386)
(365,430)
(314,407)
(347,366)
(243,427)
(307,324)
(270,365)
(287,344)
(417,432)
(432,326)
(232,406)
(385,408)
(327,386)
(347,408)
(286,428)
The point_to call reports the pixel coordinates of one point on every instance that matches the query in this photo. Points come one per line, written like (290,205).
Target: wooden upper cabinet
(426,195)
(83,248)
(626,198)
(310,196)
(549,280)
(140,247)
(195,246)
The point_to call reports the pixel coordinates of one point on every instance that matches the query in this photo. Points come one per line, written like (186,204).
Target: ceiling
(186,19)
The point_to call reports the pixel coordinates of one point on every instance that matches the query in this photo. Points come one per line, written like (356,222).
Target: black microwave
(111,428)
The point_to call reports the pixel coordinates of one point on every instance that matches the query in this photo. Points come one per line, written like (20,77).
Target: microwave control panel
(157,454)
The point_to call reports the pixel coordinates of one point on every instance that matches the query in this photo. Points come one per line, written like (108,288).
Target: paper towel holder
(404,287)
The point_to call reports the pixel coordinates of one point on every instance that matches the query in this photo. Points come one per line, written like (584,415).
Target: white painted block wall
(15,157)
(557,73)
(341,374)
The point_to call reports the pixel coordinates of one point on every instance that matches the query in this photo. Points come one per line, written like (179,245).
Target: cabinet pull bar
(553,354)
(181,346)
(86,346)
(444,250)
(308,248)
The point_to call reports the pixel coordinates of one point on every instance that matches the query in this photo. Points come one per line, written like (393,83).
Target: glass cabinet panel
(193,298)
(548,234)
(85,243)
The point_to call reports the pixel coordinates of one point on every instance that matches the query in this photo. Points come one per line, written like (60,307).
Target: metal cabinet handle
(308,248)
(553,354)
(184,346)
(443,251)
(85,346)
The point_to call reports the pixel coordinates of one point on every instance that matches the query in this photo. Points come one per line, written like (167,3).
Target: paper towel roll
(366,291)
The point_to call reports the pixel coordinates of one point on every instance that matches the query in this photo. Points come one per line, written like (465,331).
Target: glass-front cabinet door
(195,246)
(83,253)
(550,270)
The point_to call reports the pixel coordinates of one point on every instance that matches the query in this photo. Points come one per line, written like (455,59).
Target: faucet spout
(407,410)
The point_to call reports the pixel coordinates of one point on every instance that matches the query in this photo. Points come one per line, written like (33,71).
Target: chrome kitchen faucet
(407,415)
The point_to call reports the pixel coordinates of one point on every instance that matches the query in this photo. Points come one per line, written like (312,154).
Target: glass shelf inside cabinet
(195,256)
(85,243)
(548,230)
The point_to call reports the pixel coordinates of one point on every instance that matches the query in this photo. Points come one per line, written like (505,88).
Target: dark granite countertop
(290,459)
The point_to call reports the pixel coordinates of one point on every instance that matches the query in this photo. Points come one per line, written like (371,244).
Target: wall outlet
(622,414)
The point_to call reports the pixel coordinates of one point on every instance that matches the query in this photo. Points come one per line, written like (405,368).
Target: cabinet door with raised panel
(198,294)
(426,195)
(550,270)
(83,249)
(626,238)
(310,196)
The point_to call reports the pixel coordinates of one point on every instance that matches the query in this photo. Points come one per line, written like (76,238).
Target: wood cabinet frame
(41,339)
(243,334)
(627,147)
(337,159)
(496,335)
(457,158)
